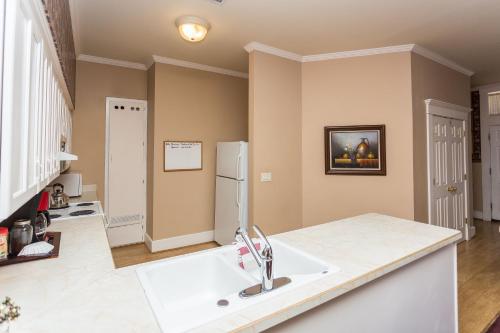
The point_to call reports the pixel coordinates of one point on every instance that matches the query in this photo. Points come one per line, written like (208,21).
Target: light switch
(266,176)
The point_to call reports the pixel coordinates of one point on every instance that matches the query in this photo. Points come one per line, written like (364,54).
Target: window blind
(494,103)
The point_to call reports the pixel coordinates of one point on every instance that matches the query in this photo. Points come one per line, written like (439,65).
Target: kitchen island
(81,291)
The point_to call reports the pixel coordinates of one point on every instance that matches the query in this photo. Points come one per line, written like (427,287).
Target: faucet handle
(261,235)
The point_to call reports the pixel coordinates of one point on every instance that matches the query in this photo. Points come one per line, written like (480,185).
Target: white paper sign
(182,155)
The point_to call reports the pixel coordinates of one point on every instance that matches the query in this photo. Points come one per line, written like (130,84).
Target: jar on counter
(21,235)
(4,249)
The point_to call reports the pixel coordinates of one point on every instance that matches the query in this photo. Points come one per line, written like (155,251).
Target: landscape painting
(355,150)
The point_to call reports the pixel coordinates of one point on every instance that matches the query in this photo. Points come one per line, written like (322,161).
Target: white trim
(358,53)
(441,60)
(178,241)
(470,232)
(478,214)
(486,122)
(41,20)
(112,62)
(446,109)
(256,46)
(201,67)
(148,241)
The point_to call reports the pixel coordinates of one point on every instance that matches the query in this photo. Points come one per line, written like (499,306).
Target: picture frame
(182,155)
(355,150)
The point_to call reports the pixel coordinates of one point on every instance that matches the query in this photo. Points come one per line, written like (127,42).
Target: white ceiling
(464,31)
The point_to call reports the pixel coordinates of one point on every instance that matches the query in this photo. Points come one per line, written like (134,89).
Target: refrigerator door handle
(238,201)
(238,165)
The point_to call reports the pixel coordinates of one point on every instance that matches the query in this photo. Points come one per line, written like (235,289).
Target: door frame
(486,122)
(110,100)
(490,173)
(439,108)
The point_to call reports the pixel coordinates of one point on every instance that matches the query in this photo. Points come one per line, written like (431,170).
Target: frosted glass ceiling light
(192,28)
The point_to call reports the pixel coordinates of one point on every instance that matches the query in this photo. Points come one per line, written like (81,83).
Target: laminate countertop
(81,291)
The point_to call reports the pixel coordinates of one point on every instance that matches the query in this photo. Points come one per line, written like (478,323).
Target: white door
(495,171)
(448,206)
(125,204)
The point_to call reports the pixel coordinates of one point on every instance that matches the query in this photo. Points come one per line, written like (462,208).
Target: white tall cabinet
(35,105)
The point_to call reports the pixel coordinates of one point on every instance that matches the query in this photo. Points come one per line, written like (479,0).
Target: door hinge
(490,171)
(491,205)
(489,137)
(465,177)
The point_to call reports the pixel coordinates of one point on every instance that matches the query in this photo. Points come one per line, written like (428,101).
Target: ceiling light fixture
(192,28)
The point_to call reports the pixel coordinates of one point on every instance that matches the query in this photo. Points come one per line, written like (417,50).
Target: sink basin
(184,291)
(289,262)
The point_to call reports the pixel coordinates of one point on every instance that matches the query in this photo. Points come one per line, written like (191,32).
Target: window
(494,103)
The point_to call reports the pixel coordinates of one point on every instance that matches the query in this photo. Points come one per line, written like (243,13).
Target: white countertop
(81,291)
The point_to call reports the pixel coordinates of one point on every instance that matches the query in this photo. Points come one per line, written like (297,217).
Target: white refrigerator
(231,190)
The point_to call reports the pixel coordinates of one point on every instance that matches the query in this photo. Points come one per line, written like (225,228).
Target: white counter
(81,291)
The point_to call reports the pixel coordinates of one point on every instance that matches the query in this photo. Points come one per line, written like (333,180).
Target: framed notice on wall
(182,155)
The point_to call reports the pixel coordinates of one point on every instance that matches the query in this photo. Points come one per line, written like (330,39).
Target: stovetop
(76,210)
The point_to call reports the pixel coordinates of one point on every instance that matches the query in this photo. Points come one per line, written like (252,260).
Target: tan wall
(95,82)
(150,153)
(357,91)
(192,105)
(275,142)
(430,80)
(477,187)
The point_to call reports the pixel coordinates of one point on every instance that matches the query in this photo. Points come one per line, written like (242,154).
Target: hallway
(479,278)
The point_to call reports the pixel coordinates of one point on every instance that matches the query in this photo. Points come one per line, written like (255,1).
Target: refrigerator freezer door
(230,208)
(232,160)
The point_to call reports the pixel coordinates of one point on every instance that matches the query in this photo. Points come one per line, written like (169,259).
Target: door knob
(452,189)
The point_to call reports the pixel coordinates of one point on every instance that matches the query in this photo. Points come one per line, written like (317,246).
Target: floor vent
(117,221)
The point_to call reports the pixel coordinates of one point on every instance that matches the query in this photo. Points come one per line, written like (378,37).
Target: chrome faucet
(264,259)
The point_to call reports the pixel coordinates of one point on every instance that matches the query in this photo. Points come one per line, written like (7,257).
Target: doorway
(448,166)
(495,171)
(125,183)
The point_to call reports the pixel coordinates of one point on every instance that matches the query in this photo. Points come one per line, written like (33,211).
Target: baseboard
(470,232)
(478,214)
(178,241)
(148,241)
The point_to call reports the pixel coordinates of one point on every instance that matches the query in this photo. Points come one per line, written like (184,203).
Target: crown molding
(441,60)
(255,46)
(201,67)
(446,105)
(358,53)
(487,87)
(112,62)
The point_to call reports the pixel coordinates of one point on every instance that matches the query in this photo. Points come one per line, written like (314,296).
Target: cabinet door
(19,139)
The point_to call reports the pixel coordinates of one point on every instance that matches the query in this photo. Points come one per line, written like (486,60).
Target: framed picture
(182,156)
(355,150)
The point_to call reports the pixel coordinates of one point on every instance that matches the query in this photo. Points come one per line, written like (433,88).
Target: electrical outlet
(266,176)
